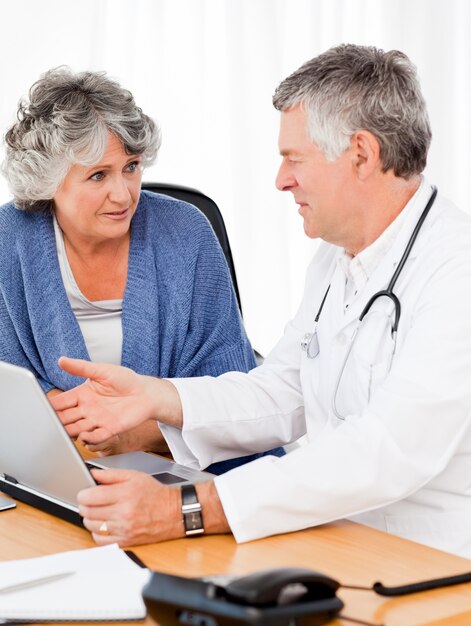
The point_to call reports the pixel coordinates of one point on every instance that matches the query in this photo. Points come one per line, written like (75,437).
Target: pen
(33,582)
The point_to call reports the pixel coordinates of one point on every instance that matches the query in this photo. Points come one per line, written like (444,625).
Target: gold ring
(103,530)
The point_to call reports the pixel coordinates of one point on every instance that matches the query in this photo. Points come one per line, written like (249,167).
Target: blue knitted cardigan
(180,315)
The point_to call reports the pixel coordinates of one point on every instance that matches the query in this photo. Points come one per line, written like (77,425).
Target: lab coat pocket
(374,351)
(447,531)
(380,368)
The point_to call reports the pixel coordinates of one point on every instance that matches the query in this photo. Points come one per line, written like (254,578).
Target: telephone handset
(280,586)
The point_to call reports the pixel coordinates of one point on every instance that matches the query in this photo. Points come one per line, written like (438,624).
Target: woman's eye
(132,167)
(97,176)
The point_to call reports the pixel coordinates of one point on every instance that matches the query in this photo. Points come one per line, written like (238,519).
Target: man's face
(320,187)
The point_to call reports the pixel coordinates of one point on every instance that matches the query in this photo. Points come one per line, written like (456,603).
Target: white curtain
(206,71)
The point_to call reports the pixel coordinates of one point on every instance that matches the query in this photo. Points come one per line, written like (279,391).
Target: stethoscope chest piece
(310,344)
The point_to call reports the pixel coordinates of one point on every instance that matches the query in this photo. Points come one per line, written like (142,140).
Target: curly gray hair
(67,120)
(351,88)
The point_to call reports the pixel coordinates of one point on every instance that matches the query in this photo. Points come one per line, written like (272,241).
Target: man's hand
(113,400)
(138,509)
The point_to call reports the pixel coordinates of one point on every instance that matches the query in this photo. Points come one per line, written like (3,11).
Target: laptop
(39,463)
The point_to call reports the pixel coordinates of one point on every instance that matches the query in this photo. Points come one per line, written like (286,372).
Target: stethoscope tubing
(385,293)
(388,292)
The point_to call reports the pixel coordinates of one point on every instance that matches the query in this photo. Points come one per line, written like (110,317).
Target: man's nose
(284,179)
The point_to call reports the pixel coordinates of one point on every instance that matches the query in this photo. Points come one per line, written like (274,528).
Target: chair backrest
(209,208)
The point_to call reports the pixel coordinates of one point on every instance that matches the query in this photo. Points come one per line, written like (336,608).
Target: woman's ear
(366,153)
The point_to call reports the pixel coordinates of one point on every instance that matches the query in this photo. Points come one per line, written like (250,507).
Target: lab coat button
(342,339)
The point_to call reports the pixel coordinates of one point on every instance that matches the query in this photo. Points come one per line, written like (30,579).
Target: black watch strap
(191,511)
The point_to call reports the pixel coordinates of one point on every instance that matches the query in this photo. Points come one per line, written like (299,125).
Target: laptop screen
(35,449)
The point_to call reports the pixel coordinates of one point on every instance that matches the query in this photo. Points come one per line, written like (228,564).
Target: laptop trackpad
(169,479)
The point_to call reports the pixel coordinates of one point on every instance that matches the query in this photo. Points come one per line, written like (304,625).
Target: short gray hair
(351,88)
(66,121)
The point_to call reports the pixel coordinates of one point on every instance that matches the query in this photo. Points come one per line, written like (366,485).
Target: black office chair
(209,208)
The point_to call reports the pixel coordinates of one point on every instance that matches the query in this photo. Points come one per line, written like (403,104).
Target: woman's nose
(119,191)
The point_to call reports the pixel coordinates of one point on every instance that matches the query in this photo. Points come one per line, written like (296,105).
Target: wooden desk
(351,553)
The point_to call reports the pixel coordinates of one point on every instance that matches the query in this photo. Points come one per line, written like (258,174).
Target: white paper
(105,585)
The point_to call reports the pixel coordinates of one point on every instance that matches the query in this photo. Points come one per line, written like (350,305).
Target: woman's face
(95,204)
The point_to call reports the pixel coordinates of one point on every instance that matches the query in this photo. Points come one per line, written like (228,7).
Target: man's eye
(97,176)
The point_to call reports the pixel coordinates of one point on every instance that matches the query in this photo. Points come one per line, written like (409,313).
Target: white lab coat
(400,461)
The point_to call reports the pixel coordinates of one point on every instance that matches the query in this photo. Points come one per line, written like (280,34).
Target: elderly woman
(95,268)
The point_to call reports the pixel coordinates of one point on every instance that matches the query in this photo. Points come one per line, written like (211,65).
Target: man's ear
(366,153)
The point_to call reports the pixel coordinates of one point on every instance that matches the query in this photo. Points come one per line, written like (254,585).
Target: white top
(358,269)
(400,460)
(99,321)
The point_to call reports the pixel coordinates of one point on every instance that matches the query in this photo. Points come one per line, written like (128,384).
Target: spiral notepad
(105,586)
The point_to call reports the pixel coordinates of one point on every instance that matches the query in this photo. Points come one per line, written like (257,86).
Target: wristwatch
(191,511)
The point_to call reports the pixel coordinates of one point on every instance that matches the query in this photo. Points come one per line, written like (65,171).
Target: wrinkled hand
(112,400)
(137,508)
(146,437)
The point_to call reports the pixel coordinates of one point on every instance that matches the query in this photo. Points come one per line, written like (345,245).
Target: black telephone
(276,597)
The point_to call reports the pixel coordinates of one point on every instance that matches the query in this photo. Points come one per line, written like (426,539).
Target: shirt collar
(358,269)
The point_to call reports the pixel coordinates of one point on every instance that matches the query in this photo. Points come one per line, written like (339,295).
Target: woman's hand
(146,437)
(113,400)
(53,392)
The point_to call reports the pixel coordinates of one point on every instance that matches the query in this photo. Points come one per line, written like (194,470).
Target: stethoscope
(310,342)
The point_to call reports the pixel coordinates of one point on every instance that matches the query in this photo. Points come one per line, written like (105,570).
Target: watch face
(193,522)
